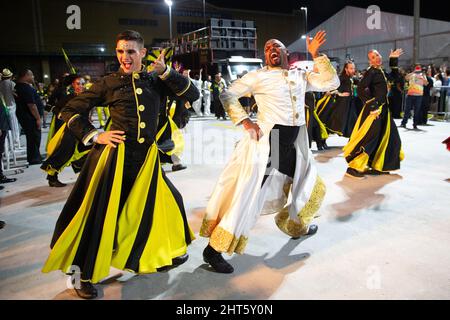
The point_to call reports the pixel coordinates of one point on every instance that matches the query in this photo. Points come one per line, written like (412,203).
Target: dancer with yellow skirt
(374,146)
(63,149)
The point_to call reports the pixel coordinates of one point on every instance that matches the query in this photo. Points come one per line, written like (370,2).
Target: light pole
(204,15)
(306,29)
(416,41)
(169,3)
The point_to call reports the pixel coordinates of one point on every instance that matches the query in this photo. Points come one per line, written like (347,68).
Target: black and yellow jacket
(134,101)
(143,226)
(373,87)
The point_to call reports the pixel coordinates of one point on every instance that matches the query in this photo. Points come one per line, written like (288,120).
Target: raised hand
(159,64)
(395,54)
(314,44)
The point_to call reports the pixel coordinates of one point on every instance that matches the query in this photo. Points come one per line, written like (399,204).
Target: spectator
(447,91)
(39,103)
(436,91)
(7,91)
(416,82)
(218,86)
(426,98)
(28,115)
(4,127)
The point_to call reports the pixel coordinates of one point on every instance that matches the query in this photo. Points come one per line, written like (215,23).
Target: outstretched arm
(326,78)
(393,61)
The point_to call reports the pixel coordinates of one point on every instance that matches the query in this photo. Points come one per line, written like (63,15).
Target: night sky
(321,10)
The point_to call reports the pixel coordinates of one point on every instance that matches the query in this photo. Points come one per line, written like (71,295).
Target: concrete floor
(384,237)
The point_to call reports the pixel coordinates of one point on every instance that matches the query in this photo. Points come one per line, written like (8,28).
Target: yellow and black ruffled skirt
(374,143)
(107,220)
(64,150)
(316,129)
(338,114)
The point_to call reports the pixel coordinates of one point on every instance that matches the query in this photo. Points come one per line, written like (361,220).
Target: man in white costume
(206,91)
(265,172)
(197,104)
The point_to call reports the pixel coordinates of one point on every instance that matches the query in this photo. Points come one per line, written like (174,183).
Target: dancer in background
(339,115)
(316,129)
(63,148)
(374,146)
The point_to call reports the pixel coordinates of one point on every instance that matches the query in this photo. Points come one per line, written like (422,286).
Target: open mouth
(127,65)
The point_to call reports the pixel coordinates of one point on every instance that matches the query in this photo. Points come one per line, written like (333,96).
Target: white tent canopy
(348,36)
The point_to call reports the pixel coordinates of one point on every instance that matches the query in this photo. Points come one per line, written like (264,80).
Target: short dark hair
(130,35)
(22,73)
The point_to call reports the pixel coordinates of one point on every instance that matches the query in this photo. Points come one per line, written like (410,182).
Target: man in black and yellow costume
(63,149)
(123,211)
(374,146)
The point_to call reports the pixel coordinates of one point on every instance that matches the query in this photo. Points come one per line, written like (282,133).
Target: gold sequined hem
(223,241)
(207,227)
(289,226)
(306,215)
(315,201)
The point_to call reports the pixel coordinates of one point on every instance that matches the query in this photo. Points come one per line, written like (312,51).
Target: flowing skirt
(338,114)
(120,213)
(64,150)
(374,143)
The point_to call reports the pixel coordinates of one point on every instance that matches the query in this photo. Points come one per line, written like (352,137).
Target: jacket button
(139,91)
(141,107)
(136,75)
(297,115)
(294,98)
(142,125)
(285,73)
(141,140)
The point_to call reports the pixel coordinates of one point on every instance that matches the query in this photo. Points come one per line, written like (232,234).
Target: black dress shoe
(377,173)
(175,263)
(312,230)
(56,183)
(180,260)
(216,261)
(353,173)
(4,179)
(325,146)
(86,291)
(178,167)
(2,224)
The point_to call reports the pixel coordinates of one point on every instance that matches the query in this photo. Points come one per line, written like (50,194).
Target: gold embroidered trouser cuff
(222,240)
(305,216)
